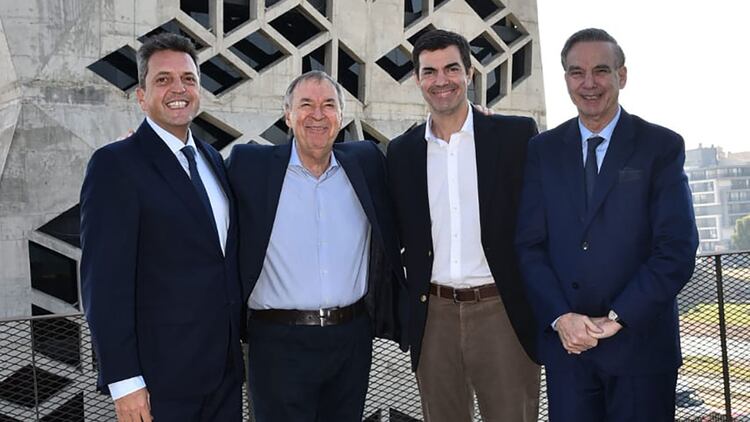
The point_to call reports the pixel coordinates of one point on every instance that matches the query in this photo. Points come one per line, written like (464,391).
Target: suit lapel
(217,166)
(276,171)
(416,149)
(488,154)
(620,149)
(165,163)
(359,184)
(571,162)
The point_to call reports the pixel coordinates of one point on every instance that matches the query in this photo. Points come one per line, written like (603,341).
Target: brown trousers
(471,348)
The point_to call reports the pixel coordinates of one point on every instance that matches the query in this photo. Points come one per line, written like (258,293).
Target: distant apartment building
(721,194)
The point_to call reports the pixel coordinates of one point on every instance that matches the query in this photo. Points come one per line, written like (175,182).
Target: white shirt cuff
(123,388)
(554,323)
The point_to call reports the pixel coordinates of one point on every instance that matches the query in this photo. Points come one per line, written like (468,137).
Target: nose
(588,80)
(178,86)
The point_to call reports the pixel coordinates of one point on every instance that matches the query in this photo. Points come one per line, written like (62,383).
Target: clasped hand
(579,333)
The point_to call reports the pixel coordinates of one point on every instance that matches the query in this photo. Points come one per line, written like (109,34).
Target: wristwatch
(612,315)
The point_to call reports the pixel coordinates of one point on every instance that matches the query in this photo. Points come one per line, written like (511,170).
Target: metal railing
(48,368)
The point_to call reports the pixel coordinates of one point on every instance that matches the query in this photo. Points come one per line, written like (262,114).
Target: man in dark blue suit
(319,261)
(606,239)
(158,267)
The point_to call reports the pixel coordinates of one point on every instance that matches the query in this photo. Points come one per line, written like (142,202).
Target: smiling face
(314,116)
(594,82)
(171,96)
(443,80)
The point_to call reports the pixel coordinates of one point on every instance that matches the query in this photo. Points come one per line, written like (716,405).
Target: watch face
(613,315)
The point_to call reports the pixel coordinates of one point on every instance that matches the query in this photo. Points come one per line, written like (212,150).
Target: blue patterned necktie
(590,169)
(195,178)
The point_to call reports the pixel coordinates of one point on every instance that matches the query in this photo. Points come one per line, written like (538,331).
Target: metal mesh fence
(48,369)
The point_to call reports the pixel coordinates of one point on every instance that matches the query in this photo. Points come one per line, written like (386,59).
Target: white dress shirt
(219,205)
(454,208)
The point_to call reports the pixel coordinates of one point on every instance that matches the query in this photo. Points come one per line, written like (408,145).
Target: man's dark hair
(161,42)
(439,39)
(592,35)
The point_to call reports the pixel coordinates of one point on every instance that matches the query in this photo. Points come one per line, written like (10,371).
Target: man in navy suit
(158,267)
(606,239)
(319,261)
(456,182)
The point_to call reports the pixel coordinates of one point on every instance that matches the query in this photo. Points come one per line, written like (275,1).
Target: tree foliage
(741,236)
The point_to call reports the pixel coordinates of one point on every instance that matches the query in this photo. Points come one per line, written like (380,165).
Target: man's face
(594,82)
(171,97)
(314,116)
(443,80)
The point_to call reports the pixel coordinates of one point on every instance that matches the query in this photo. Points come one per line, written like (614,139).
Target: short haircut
(161,42)
(439,39)
(316,75)
(592,35)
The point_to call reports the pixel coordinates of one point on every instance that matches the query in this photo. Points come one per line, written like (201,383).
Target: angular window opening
(320,5)
(496,84)
(53,273)
(413,10)
(521,64)
(20,389)
(57,338)
(270,3)
(236,12)
(413,39)
(296,26)
(198,10)
(507,30)
(218,75)
(173,27)
(439,2)
(485,8)
(65,227)
(258,50)
(397,63)
(471,90)
(348,133)
(316,60)
(350,71)
(118,68)
(278,133)
(205,130)
(370,135)
(483,49)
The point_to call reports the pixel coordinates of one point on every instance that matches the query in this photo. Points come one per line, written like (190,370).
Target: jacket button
(423,298)
(585,245)
(574,285)
(429,253)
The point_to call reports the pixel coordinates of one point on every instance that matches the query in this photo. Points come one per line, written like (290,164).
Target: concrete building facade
(68,79)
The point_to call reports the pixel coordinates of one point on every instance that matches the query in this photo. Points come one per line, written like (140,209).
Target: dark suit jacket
(257,173)
(160,298)
(632,251)
(501,149)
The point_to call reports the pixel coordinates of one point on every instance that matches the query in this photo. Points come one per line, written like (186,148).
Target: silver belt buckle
(323,315)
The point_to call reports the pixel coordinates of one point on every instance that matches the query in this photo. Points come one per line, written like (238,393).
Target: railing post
(723,338)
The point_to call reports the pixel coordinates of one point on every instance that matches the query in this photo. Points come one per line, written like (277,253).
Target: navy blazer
(501,143)
(160,298)
(257,173)
(632,251)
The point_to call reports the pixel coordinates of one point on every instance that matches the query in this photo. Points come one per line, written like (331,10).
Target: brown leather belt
(319,317)
(472,294)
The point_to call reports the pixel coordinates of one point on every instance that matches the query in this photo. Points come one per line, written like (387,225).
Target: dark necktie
(195,177)
(590,170)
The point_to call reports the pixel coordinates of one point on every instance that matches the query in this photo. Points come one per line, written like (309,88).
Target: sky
(688,63)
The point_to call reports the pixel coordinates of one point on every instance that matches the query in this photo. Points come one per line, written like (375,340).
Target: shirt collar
(294,160)
(605,133)
(173,142)
(468,126)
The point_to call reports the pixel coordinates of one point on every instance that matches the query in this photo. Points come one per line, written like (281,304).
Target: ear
(140,95)
(287,119)
(470,75)
(622,74)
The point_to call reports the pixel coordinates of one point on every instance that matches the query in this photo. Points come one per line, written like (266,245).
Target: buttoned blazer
(632,251)
(160,298)
(257,174)
(501,143)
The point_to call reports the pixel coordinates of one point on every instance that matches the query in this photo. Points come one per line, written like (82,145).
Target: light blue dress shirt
(605,133)
(318,253)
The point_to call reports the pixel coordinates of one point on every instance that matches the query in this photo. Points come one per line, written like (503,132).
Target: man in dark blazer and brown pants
(456,182)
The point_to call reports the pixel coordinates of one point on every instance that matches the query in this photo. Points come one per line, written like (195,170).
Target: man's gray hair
(316,75)
(592,35)
(161,42)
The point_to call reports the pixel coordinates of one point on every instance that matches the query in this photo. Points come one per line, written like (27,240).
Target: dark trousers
(222,404)
(585,394)
(309,373)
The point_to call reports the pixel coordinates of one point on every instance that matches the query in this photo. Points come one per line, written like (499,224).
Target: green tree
(741,236)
